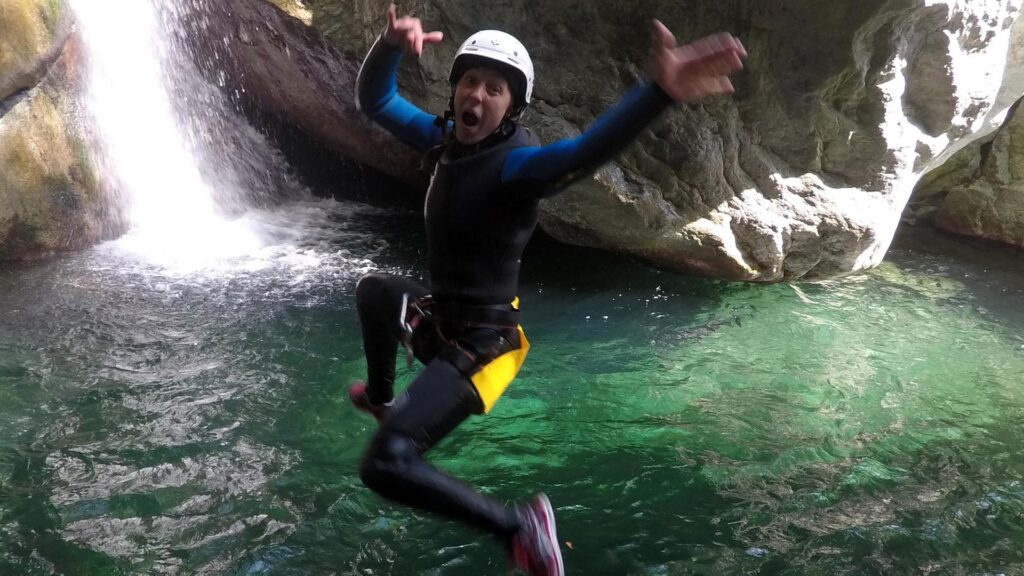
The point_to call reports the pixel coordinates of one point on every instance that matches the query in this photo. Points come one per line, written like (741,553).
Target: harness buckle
(411,314)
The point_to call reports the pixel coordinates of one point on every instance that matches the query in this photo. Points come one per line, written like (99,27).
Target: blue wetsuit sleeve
(565,161)
(377,96)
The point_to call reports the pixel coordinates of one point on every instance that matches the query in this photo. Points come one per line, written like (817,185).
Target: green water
(154,422)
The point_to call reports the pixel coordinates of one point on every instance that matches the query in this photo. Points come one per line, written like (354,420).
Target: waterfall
(184,162)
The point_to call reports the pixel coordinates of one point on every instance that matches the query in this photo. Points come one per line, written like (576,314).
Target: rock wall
(32,33)
(49,195)
(990,202)
(975,190)
(803,174)
(269,60)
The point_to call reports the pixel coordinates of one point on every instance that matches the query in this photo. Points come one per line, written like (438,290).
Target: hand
(694,71)
(407,32)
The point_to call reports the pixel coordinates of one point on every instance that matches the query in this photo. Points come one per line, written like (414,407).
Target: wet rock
(295,9)
(32,34)
(802,175)
(271,62)
(49,194)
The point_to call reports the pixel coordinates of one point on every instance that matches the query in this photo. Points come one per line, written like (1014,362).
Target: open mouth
(469,119)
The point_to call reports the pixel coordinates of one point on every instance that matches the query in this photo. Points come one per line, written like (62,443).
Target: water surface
(184,417)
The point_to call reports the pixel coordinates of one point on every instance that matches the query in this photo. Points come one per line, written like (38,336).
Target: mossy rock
(49,194)
(296,9)
(31,35)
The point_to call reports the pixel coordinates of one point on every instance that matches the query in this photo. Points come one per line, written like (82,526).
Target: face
(482,98)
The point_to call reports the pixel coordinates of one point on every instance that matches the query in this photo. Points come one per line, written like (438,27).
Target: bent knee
(388,461)
(370,285)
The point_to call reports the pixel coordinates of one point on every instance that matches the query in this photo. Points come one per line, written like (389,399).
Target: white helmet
(497,46)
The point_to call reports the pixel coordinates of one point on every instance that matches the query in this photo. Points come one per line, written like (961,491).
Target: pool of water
(163,418)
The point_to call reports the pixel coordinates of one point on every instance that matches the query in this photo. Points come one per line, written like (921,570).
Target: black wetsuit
(481,210)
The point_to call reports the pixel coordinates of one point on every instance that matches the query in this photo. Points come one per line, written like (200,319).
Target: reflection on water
(125,421)
(189,417)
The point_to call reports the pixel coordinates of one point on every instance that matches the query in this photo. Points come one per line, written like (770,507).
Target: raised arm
(687,73)
(567,160)
(377,90)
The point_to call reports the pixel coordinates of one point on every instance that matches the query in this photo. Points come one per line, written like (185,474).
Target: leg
(393,466)
(379,303)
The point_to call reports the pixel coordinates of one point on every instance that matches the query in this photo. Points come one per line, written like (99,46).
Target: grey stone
(270,60)
(803,174)
(992,206)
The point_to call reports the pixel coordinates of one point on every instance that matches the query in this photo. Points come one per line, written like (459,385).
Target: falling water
(188,170)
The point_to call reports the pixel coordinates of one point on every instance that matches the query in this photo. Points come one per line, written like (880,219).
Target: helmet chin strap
(507,125)
(448,117)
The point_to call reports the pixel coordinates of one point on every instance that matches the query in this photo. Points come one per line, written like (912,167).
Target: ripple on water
(120,378)
(169,419)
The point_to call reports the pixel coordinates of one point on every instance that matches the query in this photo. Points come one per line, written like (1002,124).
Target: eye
(494,89)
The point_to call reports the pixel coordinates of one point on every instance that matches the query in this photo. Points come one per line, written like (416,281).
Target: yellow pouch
(495,376)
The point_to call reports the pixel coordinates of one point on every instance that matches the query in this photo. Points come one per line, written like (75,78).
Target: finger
(406,23)
(732,62)
(715,42)
(712,46)
(686,54)
(418,38)
(729,42)
(722,63)
(722,39)
(732,44)
(743,49)
(392,16)
(433,37)
(713,86)
(662,36)
(709,44)
(711,57)
(716,86)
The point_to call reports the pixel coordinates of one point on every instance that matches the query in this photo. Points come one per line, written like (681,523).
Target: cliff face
(803,174)
(269,60)
(983,194)
(977,190)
